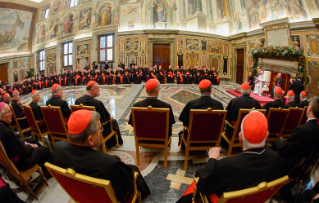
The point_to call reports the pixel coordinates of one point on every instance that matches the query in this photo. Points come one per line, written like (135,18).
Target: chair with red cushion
(34,124)
(15,119)
(233,141)
(259,194)
(22,177)
(55,123)
(204,130)
(103,138)
(293,120)
(86,189)
(303,119)
(151,128)
(276,120)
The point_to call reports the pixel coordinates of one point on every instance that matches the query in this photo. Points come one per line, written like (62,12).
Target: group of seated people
(257,163)
(122,75)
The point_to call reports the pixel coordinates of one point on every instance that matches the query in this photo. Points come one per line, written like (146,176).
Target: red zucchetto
(79,121)
(204,84)
(151,84)
(254,127)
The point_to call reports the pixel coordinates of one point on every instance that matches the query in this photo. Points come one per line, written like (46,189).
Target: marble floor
(166,184)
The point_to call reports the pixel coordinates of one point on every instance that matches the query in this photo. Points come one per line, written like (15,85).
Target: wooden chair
(276,120)
(34,124)
(15,119)
(233,141)
(204,132)
(55,123)
(21,177)
(303,119)
(103,138)
(85,189)
(259,194)
(293,120)
(151,128)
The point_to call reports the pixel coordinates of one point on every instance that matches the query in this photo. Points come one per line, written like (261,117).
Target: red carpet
(262,100)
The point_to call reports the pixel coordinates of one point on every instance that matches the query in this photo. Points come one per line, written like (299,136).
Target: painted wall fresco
(313,69)
(230,16)
(130,16)
(133,48)
(50,61)
(16,27)
(20,67)
(82,54)
(203,52)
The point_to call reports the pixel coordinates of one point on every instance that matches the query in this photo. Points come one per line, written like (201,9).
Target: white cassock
(259,85)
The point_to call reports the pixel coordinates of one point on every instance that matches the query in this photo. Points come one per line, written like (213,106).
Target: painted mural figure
(68,24)
(105,15)
(161,11)
(85,19)
(54,29)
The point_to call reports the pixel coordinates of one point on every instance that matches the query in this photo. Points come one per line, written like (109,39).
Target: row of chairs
(56,127)
(206,128)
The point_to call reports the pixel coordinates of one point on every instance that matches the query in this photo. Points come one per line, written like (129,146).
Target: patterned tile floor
(166,184)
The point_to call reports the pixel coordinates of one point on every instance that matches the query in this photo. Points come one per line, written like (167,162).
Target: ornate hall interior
(236,37)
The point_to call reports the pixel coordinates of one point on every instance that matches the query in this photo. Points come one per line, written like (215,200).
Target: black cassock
(203,102)
(233,107)
(23,156)
(155,103)
(36,111)
(296,87)
(290,104)
(56,101)
(100,165)
(303,103)
(239,172)
(104,116)
(273,104)
(18,111)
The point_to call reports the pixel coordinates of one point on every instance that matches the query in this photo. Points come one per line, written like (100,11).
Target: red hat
(54,86)
(254,127)
(291,93)
(78,121)
(278,90)
(5,95)
(205,84)
(151,84)
(91,83)
(304,93)
(33,91)
(3,92)
(2,105)
(16,91)
(245,86)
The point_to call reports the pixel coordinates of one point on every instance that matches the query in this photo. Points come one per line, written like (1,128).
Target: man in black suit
(254,165)
(36,109)
(56,100)
(297,87)
(203,102)
(279,83)
(277,103)
(303,100)
(84,132)
(152,87)
(291,99)
(304,139)
(243,102)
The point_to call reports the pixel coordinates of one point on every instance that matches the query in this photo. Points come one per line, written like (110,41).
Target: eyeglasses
(101,129)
